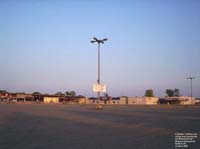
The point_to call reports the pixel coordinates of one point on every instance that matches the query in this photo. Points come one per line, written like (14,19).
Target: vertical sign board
(99,88)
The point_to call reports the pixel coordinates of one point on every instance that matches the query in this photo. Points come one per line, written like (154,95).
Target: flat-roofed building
(119,100)
(3,94)
(143,100)
(83,100)
(51,99)
(183,100)
(109,100)
(22,97)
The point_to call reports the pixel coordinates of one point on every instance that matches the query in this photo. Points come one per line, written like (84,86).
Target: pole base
(99,107)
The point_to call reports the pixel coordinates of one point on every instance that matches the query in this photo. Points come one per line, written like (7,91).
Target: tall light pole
(98,41)
(191,78)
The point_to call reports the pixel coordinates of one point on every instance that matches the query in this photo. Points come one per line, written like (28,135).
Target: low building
(114,100)
(71,99)
(119,100)
(123,100)
(95,100)
(109,100)
(22,97)
(92,100)
(51,99)
(197,101)
(3,95)
(83,100)
(183,100)
(143,100)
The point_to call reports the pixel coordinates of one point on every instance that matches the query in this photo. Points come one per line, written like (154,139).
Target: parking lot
(30,126)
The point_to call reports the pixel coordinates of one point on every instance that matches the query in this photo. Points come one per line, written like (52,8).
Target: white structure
(143,100)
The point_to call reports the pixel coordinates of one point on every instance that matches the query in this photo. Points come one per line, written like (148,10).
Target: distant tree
(59,94)
(149,93)
(36,93)
(3,91)
(70,93)
(73,93)
(169,92)
(67,93)
(177,92)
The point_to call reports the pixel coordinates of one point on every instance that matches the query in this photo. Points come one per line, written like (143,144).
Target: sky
(45,46)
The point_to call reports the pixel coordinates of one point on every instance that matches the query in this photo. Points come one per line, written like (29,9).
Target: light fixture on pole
(191,78)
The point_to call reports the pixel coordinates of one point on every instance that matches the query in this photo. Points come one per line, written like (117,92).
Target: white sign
(99,88)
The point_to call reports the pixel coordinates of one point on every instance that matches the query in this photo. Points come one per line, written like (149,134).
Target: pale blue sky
(45,45)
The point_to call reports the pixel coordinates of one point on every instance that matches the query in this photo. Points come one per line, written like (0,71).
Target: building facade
(183,100)
(51,99)
(143,100)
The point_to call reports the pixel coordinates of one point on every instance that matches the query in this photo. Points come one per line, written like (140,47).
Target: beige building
(119,100)
(84,100)
(143,100)
(186,100)
(51,99)
(111,100)
(22,97)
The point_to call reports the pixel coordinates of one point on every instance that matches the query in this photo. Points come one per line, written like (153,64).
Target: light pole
(98,41)
(191,78)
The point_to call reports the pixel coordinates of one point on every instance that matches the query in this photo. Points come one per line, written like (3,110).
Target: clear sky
(45,45)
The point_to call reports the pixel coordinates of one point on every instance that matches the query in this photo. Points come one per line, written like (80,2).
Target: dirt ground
(39,126)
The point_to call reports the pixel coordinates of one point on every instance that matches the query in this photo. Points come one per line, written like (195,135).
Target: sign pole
(98,80)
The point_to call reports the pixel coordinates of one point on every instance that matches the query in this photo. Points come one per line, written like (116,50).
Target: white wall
(142,100)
